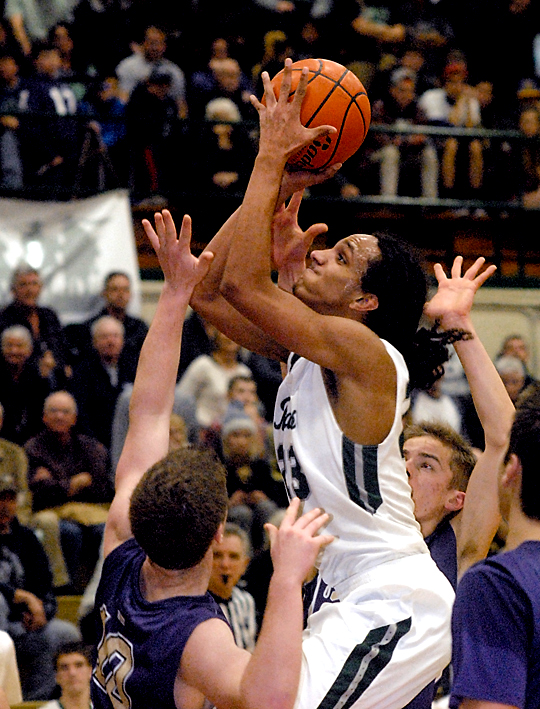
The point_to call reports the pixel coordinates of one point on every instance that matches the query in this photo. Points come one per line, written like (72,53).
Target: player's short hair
(73,647)
(462,458)
(234,530)
(525,444)
(178,506)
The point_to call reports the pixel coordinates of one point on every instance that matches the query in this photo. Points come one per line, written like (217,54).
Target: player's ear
(512,470)
(364,303)
(218,536)
(455,501)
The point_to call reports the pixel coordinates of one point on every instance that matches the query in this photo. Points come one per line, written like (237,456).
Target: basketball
(334,96)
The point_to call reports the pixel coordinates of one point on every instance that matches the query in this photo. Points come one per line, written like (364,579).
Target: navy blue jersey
(141,644)
(442,546)
(496,630)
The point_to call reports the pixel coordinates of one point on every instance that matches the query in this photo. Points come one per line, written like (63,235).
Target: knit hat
(236,419)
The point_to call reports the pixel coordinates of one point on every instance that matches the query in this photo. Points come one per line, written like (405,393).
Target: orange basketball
(336,97)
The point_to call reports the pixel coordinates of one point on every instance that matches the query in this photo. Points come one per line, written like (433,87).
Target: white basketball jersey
(365,488)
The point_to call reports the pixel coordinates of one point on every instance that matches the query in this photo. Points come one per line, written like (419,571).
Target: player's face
(73,673)
(334,277)
(230,563)
(27,288)
(428,466)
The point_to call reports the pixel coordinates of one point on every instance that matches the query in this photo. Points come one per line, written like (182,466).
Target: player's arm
(477,524)
(207,299)
(332,342)
(152,399)
(232,678)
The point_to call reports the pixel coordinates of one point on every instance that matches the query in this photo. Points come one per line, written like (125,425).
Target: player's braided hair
(399,282)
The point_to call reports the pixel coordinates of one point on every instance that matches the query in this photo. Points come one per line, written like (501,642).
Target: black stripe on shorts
(364,664)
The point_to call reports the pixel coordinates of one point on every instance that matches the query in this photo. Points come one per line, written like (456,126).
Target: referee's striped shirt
(240,612)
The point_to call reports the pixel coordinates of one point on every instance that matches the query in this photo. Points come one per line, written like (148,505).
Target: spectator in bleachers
(456,104)
(73,662)
(31,20)
(513,374)
(153,135)
(23,388)
(222,78)
(409,161)
(277,48)
(49,345)
(73,68)
(50,137)
(100,376)
(183,407)
(255,490)
(527,172)
(516,346)
(434,406)
(13,462)
(27,601)
(116,296)
(105,109)
(69,479)
(149,58)
(11,166)
(228,149)
(207,379)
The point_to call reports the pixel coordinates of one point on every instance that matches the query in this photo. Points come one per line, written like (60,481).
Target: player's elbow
(231,290)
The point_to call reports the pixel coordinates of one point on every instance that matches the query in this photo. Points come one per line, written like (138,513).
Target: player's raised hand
(290,244)
(455,295)
(298,541)
(281,132)
(182,270)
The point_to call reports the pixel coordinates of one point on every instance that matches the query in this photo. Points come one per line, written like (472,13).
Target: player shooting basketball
(352,326)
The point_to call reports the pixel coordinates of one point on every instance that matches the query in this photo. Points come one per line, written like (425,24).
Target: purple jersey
(496,630)
(442,546)
(138,655)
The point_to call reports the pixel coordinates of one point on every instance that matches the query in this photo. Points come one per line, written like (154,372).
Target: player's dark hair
(178,506)
(399,282)
(525,444)
(462,458)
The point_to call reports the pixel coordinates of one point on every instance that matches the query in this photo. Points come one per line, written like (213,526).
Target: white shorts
(382,643)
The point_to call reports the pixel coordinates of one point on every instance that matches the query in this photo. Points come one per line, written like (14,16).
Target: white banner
(73,245)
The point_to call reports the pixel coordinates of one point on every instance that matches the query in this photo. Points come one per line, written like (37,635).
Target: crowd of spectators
(172,88)
(177,82)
